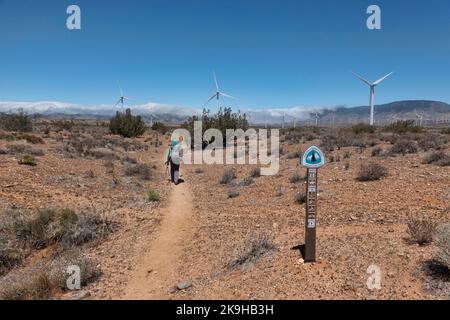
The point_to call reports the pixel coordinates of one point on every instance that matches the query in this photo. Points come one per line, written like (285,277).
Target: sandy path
(157,271)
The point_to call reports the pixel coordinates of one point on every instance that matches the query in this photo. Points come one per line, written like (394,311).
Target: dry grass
(255,247)
(228,176)
(371,172)
(421,230)
(443,244)
(140,170)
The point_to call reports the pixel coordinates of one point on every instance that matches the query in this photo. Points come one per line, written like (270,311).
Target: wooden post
(311,215)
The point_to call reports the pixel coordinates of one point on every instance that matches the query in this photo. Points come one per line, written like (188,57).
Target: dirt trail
(157,271)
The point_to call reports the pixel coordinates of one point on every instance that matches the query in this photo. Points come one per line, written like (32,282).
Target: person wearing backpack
(174,156)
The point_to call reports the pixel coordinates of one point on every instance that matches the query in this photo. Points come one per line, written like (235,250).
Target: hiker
(174,156)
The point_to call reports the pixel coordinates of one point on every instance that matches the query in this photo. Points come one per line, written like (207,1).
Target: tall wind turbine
(122,98)
(218,93)
(372,93)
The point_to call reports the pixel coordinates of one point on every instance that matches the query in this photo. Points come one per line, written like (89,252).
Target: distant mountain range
(424,111)
(401,110)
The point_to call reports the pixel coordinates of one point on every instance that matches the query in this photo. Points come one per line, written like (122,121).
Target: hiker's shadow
(301,249)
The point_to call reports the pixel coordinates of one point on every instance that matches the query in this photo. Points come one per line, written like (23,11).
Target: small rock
(78,295)
(183,285)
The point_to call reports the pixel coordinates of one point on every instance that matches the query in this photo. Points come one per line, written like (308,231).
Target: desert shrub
(60,125)
(89,270)
(432,141)
(406,126)
(31,138)
(48,226)
(19,121)
(294,155)
(199,170)
(153,196)
(128,160)
(443,243)
(327,143)
(141,170)
(228,176)
(39,287)
(255,173)
(127,125)
(421,230)
(377,151)
(247,181)
(404,147)
(347,155)
(255,247)
(27,160)
(160,127)
(445,131)
(346,166)
(371,172)
(233,194)
(9,257)
(23,148)
(363,128)
(300,197)
(296,178)
(438,157)
(102,153)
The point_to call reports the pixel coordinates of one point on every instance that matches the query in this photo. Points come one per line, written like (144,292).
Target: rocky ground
(241,239)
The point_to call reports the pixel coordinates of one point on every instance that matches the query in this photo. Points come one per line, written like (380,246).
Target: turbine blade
(211,98)
(362,79)
(128,98)
(120,89)
(381,80)
(215,81)
(227,95)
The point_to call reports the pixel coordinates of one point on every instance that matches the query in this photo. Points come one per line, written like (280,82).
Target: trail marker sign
(312,159)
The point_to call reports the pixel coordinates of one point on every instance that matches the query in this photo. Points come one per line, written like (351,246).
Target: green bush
(223,120)
(16,122)
(27,160)
(160,127)
(127,125)
(153,196)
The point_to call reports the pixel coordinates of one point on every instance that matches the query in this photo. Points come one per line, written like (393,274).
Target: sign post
(312,159)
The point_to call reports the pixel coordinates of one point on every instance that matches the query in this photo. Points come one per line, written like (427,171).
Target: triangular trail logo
(313,158)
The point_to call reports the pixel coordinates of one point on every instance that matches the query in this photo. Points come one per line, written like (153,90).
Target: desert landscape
(74,194)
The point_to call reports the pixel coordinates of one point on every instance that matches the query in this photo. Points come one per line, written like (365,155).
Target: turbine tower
(122,98)
(218,93)
(372,93)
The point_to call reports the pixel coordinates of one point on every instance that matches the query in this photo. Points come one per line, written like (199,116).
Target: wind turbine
(419,117)
(317,117)
(122,98)
(218,93)
(372,93)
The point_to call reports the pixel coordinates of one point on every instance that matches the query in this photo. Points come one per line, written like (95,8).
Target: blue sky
(267,53)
